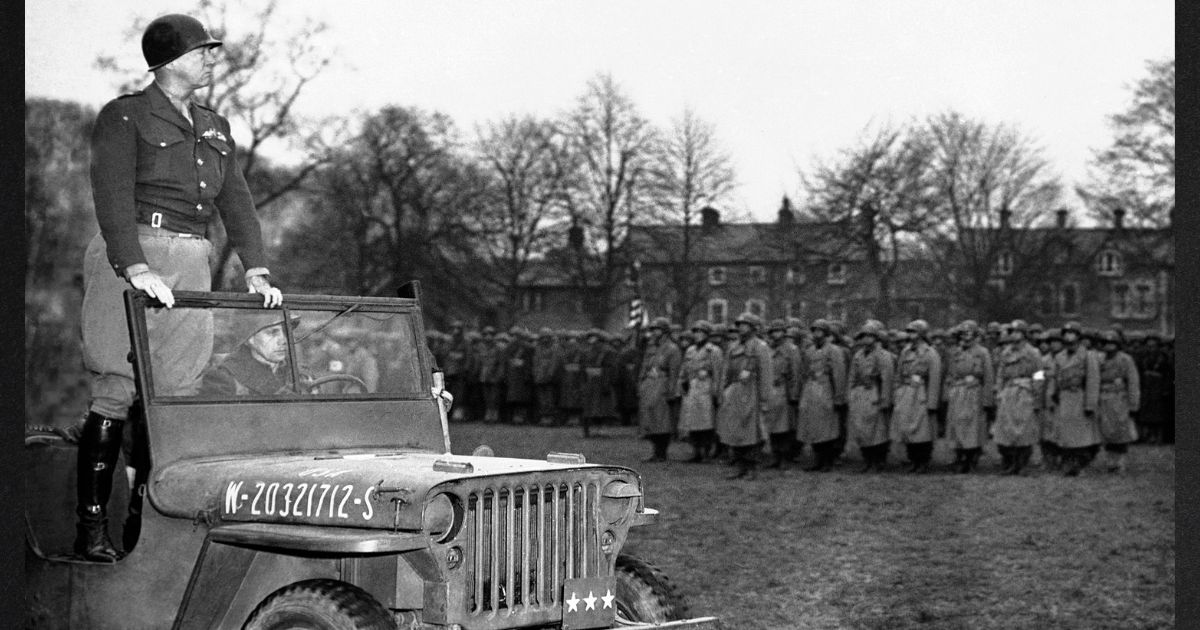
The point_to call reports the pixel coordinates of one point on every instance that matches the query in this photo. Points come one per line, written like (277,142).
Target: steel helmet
(872,327)
(968,327)
(749,318)
(820,324)
(777,324)
(918,326)
(662,323)
(704,325)
(172,36)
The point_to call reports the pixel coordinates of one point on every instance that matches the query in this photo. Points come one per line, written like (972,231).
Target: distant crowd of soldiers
(738,392)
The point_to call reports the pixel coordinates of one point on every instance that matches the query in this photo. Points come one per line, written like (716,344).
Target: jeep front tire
(320,605)
(644,594)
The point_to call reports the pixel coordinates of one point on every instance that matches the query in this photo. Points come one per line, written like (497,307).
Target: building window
(1004,264)
(1044,299)
(1069,299)
(716,276)
(997,285)
(758,274)
(836,273)
(835,309)
(916,310)
(1109,263)
(1134,300)
(795,274)
(669,309)
(718,311)
(797,309)
(532,301)
(756,306)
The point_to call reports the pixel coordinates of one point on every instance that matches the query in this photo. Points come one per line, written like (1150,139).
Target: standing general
(161,165)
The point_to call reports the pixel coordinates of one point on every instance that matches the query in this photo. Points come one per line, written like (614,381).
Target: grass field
(893,550)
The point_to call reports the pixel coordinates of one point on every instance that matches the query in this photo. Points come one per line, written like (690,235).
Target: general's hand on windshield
(272,297)
(154,286)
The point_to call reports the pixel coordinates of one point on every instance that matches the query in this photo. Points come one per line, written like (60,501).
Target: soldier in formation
(729,391)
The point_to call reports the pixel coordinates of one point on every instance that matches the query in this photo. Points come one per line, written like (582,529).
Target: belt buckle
(156,220)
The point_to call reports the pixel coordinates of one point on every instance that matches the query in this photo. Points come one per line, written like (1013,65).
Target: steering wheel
(314,386)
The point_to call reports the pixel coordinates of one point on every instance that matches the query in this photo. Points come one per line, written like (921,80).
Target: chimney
(1062,217)
(1118,218)
(1005,214)
(786,216)
(709,217)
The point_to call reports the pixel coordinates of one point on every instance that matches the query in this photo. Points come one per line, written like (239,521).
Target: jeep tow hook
(397,502)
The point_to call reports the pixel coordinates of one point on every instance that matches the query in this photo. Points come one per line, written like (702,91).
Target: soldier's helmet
(993,328)
(872,327)
(472,336)
(489,331)
(968,327)
(777,324)
(937,333)
(704,326)
(661,323)
(795,322)
(1072,326)
(505,337)
(545,333)
(172,36)
(720,330)
(821,324)
(249,326)
(836,327)
(456,324)
(749,318)
(918,326)
(1018,325)
(1110,336)
(1052,334)
(1035,330)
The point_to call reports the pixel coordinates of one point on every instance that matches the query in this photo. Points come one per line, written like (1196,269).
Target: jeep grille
(524,540)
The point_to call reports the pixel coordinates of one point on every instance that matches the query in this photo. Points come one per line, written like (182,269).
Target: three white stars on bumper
(590,601)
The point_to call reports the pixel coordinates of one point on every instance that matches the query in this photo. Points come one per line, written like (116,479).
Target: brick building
(1099,276)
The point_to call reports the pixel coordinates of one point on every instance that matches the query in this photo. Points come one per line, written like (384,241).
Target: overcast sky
(784,82)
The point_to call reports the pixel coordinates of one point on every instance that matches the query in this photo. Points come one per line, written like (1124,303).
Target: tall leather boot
(911,450)
(924,453)
(960,461)
(99,446)
(1006,459)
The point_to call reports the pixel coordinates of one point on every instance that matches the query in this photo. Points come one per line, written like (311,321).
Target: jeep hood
(368,490)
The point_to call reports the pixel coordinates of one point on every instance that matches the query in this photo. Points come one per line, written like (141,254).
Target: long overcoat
(570,385)
(701,371)
(747,383)
(968,389)
(917,392)
(785,367)
(658,383)
(824,387)
(1018,396)
(599,366)
(1120,396)
(870,399)
(1076,389)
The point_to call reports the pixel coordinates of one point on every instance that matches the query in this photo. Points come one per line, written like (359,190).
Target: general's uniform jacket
(1076,389)
(870,399)
(747,379)
(150,166)
(1120,396)
(824,387)
(917,392)
(701,371)
(657,384)
(968,389)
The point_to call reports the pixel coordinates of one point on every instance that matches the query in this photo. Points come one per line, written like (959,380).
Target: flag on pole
(637,311)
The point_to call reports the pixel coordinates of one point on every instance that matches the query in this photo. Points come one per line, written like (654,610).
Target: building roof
(745,243)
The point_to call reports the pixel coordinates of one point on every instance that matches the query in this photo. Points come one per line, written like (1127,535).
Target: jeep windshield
(312,347)
(329,373)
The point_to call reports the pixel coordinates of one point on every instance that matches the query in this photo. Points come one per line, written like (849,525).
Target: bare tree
(264,68)
(878,198)
(523,157)
(689,171)
(611,145)
(397,203)
(991,184)
(1136,173)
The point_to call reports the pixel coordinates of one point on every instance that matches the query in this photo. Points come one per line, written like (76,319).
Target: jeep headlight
(442,517)
(618,500)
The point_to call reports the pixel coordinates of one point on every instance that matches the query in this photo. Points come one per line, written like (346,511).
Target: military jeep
(334,501)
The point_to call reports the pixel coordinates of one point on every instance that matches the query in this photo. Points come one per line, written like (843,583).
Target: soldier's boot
(743,468)
(697,450)
(960,459)
(1006,459)
(1118,465)
(868,456)
(99,446)
(1021,457)
(924,453)
(973,459)
(751,469)
(911,452)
